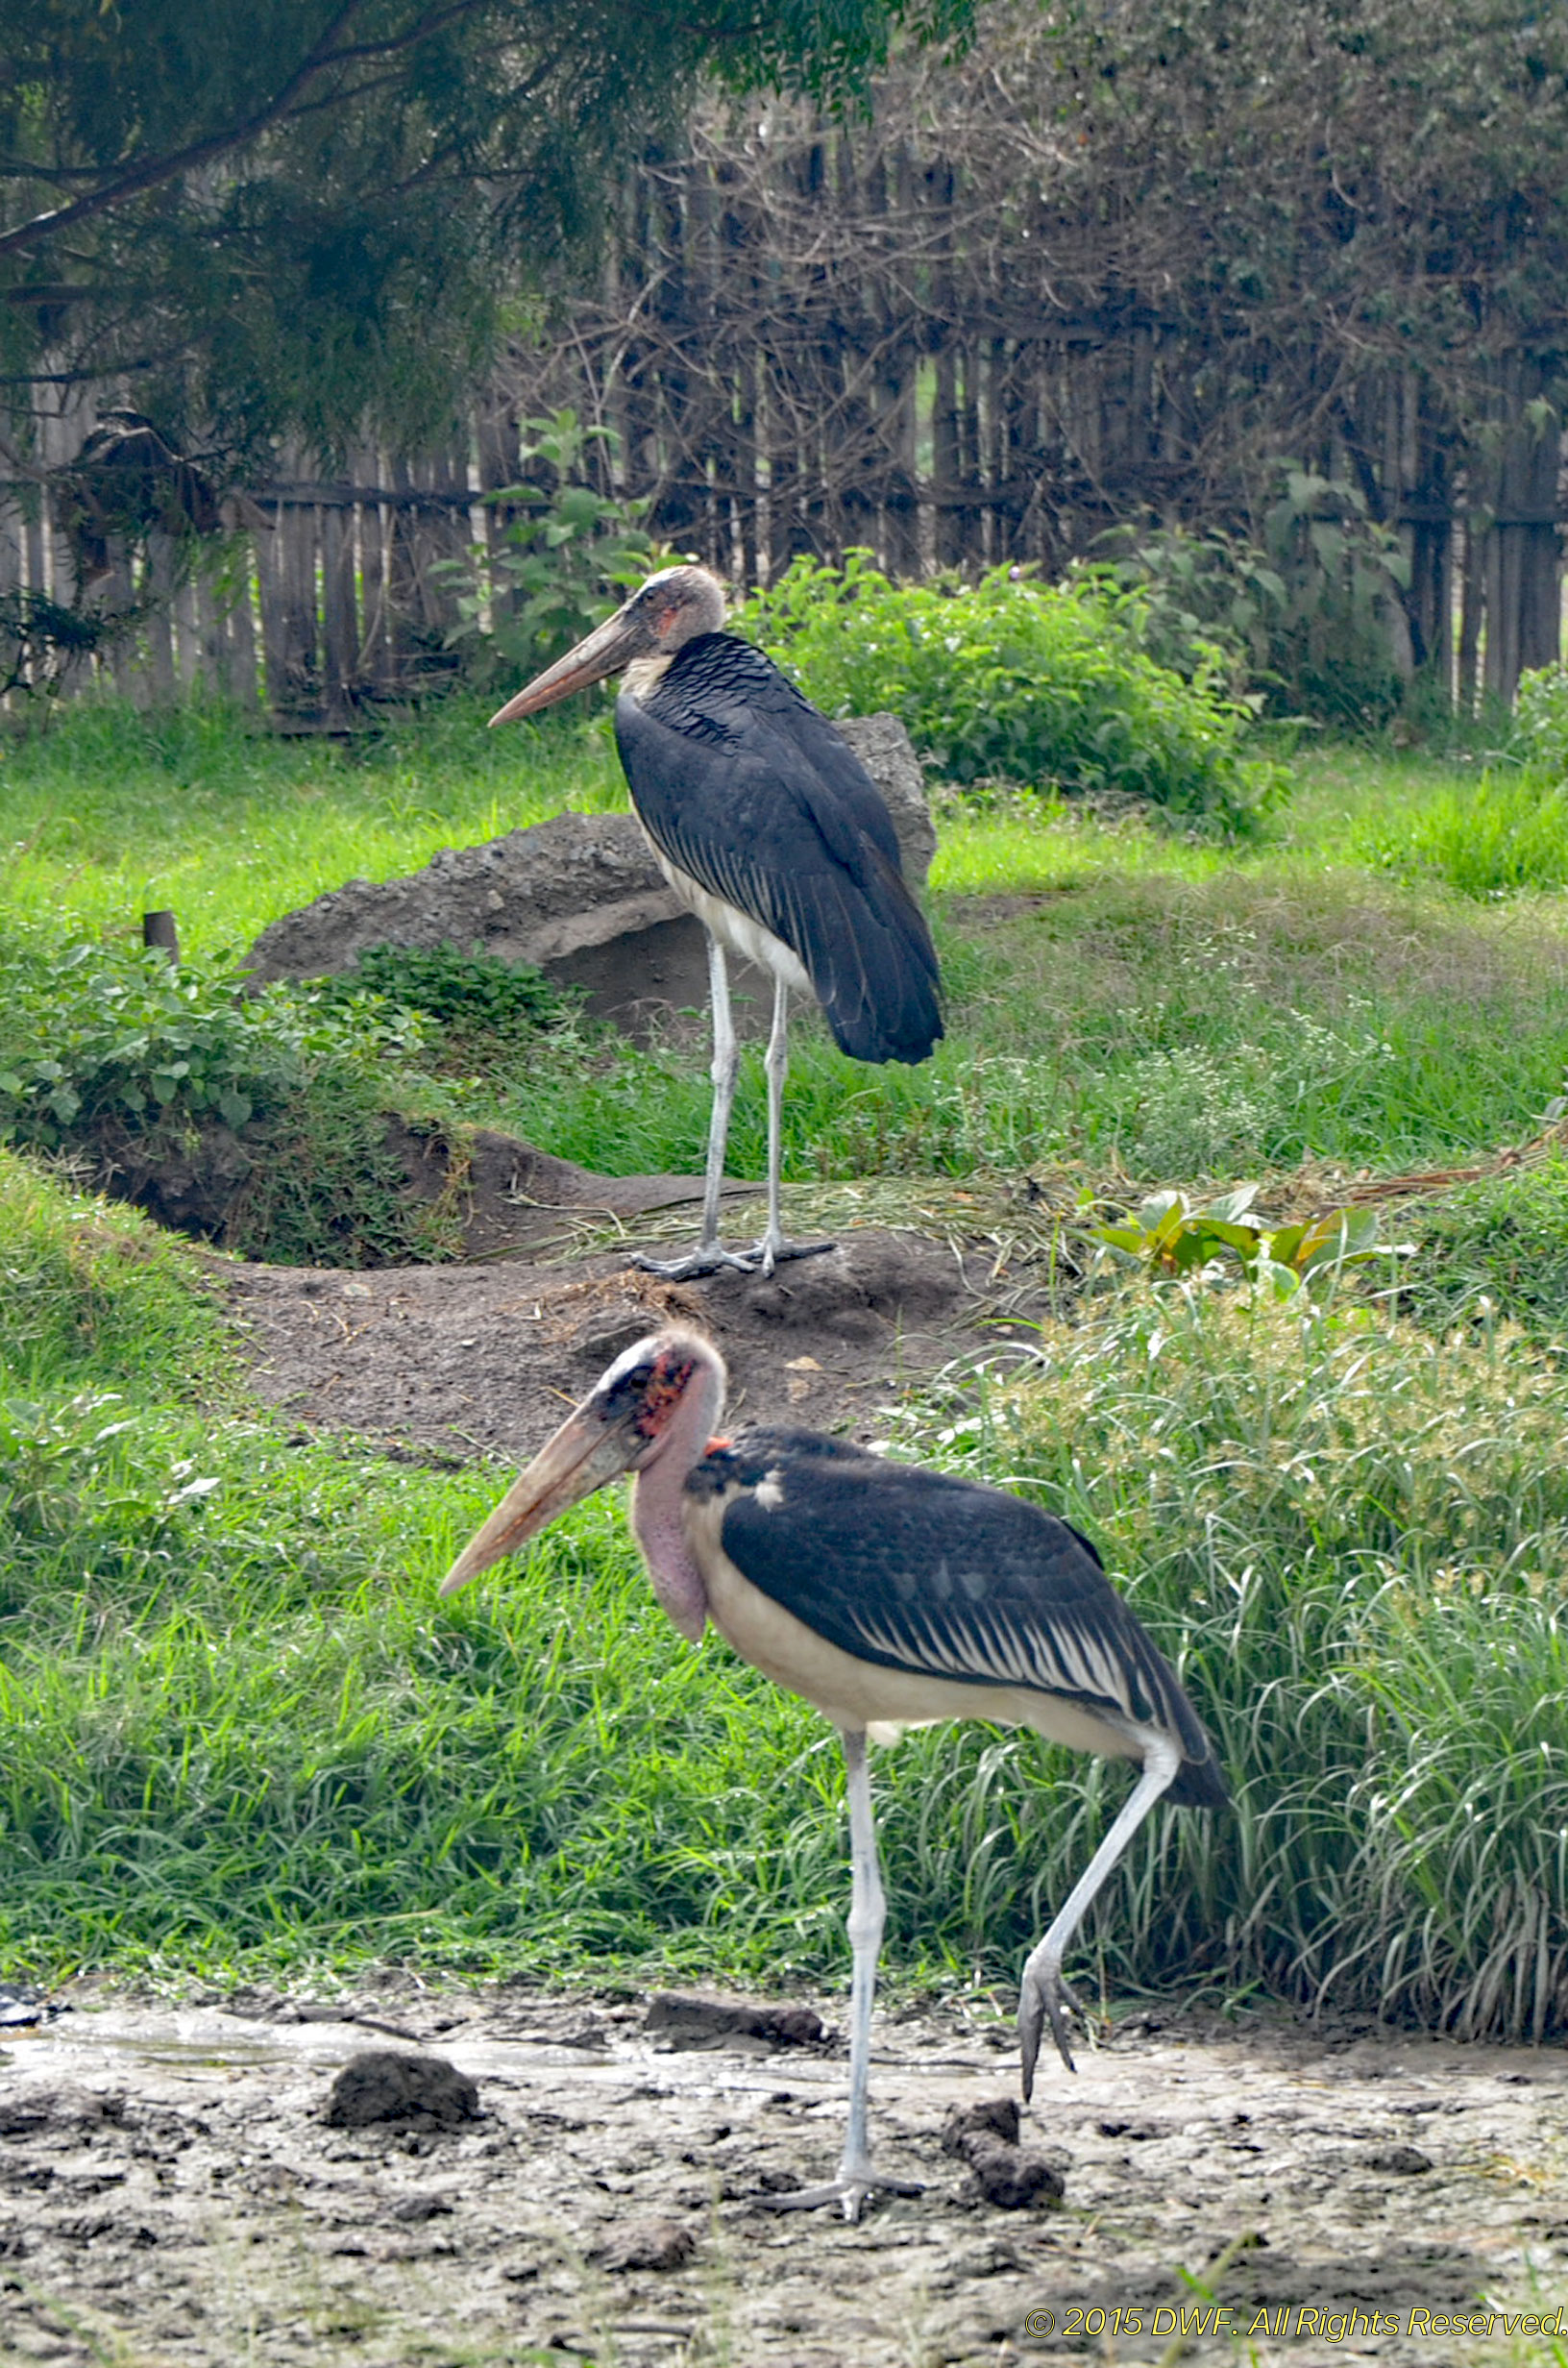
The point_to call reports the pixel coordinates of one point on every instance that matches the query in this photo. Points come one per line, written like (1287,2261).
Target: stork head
(672,607)
(659,1401)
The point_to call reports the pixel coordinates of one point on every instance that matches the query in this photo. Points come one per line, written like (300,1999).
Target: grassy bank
(240,1731)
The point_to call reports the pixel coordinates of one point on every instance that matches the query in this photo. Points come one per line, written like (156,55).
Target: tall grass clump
(96,1298)
(1499,1247)
(1026,681)
(1507,832)
(1351,1539)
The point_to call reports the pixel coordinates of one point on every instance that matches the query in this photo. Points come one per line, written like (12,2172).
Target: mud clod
(647,2244)
(422,2093)
(985,2136)
(1405,2161)
(691,2020)
(993,2117)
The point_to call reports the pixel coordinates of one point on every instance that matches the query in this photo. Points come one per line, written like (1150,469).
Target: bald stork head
(671,608)
(655,1403)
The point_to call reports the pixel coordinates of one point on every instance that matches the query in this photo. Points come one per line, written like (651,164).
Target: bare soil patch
(173,2188)
(482,1357)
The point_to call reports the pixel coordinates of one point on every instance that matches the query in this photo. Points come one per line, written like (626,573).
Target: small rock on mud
(1405,2161)
(691,2020)
(985,2136)
(382,2085)
(647,2244)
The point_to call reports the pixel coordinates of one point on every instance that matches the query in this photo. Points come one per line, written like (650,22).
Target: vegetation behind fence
(1072,283)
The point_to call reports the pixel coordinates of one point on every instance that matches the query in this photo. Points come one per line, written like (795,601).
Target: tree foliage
(307,213)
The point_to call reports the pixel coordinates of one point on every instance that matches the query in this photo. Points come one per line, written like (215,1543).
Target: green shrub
(1303,620)
(117,1054)
(484,1011)
(1509,831)
(544,587)
(1020,681)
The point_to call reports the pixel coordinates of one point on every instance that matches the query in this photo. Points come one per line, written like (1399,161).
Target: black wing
(917,1570)
(740,782)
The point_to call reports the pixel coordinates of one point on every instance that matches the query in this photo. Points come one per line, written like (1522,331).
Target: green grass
(113,812)
(241,1731)
(1488,838)
(1162,1009)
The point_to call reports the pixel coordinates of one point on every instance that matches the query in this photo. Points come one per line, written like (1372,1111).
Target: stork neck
(644,674)
(657,1499)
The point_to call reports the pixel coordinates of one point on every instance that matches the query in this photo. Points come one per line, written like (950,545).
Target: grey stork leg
(708,1257)
(772,1246)
(1043,1992)
(856,2179)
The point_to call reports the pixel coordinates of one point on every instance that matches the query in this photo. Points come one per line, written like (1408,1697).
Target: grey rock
(885,751)
(647,2244)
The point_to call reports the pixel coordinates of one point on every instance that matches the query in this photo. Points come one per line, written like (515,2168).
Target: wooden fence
(809,343)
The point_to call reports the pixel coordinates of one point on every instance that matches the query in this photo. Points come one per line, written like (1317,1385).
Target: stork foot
(1042,1997)
(852,2191)
(710,1259)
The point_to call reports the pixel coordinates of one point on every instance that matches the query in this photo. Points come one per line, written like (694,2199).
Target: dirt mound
(481,1358)
(579,898)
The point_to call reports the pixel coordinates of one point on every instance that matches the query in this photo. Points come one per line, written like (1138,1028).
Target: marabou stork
(760,816)
(887,1595)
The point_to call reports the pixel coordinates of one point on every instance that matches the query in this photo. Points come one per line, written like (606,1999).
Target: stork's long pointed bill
(612,645)
(582,1457)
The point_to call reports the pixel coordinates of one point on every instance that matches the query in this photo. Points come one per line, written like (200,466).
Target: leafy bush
(1019,680)
(1303,619)
(1168,1237)
(116,1053)
(485,1010)
(1197,595)
(543,589)
(91,1030)
(1509,831)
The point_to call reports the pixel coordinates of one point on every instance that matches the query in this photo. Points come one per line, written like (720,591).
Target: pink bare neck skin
(657,1520)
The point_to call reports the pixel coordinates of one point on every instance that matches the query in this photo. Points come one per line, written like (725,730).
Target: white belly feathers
(736,931)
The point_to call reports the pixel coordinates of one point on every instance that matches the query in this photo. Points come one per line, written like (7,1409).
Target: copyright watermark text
(1290,2320)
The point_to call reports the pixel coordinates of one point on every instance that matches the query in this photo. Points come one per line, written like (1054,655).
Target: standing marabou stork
(887,1595)
(761,816)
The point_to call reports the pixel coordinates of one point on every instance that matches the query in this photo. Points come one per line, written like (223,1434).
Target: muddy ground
(171,2190)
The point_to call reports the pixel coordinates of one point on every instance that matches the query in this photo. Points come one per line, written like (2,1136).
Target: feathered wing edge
(746,817)
(1077,1639)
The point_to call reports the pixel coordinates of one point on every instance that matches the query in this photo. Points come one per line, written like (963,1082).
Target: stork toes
(852,2191)
(709,1258)
(1042,1995)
